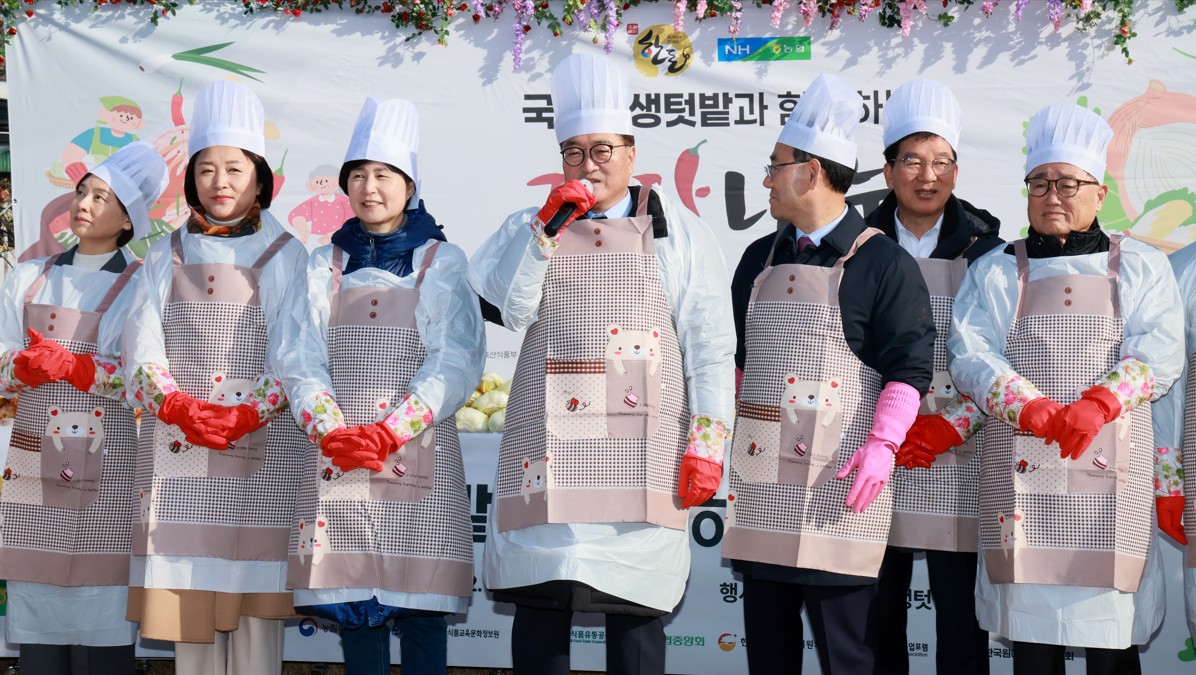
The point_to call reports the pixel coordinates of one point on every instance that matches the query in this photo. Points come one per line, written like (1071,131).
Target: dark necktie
(803,243)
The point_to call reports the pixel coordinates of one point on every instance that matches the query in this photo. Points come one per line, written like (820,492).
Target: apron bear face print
(811,431)
(70,464)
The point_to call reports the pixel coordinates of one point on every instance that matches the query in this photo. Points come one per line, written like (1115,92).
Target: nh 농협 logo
(792,48)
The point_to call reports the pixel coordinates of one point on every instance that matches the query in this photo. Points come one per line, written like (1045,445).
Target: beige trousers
(255,648)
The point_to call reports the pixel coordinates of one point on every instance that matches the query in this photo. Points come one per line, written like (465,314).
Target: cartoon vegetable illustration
(683,177)
(200,55)
(279,177)
(176,106)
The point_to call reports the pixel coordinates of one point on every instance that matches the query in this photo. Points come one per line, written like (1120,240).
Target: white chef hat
(388,132)
(590,95)
(824,120)
(137,174)
(1068,133)
(922,105)
(227,113)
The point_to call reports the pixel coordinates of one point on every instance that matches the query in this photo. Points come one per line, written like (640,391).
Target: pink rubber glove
(896,410)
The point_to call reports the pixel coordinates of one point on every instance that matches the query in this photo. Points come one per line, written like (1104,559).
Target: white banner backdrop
(707,111)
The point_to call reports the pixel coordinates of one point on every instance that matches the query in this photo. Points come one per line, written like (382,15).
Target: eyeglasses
(914,166)
(770,168)
(1065,187)
(600,153)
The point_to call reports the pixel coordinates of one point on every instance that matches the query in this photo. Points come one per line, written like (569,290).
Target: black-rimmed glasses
(600,153)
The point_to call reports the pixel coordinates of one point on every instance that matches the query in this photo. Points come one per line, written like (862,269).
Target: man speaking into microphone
(623,393)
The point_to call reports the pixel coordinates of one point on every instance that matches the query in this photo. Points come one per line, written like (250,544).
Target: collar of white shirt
(620,210)
(918,248)
(817,235)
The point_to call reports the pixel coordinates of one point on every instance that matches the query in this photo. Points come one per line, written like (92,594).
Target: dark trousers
(423,645)
(540,642)
(77,660)
(961,646)
(1030,658)
(838,619)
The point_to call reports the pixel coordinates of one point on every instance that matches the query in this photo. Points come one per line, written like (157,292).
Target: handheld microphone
(565,213)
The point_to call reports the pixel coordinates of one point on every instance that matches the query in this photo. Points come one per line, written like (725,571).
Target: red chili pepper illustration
(176,107)
(683,178)
(279,177)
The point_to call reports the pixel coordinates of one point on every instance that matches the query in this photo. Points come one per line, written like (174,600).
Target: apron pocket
(409,474)
(1105,464)
(632,398)
(174,457)
(754,450)
(575,398)
(243,458)
(1037,468)
(810,433)
(72,458)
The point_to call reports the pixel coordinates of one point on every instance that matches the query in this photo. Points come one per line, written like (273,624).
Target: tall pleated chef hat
(137,174)
(227,113)
(922,105)
(824,121)
(388,132)
(590,95)
(1068,133)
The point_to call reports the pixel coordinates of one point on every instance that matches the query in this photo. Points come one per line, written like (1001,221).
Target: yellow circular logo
(660,49)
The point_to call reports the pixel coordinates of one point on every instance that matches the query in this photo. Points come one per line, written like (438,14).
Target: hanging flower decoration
(414,18)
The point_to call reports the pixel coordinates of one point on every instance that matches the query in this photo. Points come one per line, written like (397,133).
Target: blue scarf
(391,252)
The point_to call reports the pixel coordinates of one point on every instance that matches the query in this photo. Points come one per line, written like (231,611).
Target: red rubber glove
(364,447)
(83,372)
(1077,424)
(1036,416)
(931,435)
(187,413)
(1170,511)
(76,171)
(334,438)
(572,192)
(221,432)
(42,361)
(698,481)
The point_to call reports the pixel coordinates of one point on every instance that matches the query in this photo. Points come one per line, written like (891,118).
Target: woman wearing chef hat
(69,473)
(383,528)
(218,458)
(1066,337)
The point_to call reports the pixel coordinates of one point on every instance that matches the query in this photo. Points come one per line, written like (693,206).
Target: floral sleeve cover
(1132,382)
(321,416)
(409,418)
(267,397)
(964,416)
(1168,472)
(8,379)
(1008,395)
(707,436)
(151,383)
(110,378)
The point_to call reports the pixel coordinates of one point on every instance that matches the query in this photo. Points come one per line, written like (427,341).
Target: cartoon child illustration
(118,118)
(324,213)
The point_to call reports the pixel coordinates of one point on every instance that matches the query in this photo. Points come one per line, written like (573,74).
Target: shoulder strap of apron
(338,258)
(117,286)
(274,247)
(855,245)
(1023,274)
(419,280)
(772,251)
(176,246)
(37,284)
(641,207)
(1114,271)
